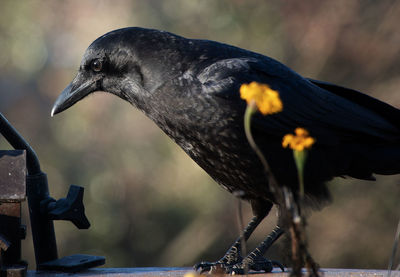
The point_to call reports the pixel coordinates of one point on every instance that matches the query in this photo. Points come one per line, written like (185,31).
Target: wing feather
(320,107)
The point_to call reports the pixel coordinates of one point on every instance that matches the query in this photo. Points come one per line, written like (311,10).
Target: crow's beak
(74,92)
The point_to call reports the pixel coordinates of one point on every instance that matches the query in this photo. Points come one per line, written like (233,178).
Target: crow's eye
(96,65)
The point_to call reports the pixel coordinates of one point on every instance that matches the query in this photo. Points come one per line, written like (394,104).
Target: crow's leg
(255,260)
(233,255)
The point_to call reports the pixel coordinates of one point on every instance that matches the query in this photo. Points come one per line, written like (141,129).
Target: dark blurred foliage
(148,203)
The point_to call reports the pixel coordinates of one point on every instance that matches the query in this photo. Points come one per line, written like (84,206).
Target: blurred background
(148,203)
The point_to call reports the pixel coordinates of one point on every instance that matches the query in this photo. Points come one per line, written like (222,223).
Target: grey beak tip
(56,109)
(70,95)
(52,111)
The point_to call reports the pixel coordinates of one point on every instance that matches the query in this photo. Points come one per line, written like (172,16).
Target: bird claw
(205,266)
(278,264)
(231,258)
(257,263)
(208,267)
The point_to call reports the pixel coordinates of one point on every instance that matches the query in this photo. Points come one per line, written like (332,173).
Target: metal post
(44,238)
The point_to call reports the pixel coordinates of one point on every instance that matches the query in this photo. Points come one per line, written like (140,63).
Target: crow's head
(128,63)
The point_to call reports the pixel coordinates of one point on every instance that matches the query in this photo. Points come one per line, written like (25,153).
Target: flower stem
(300,159)
(250,110)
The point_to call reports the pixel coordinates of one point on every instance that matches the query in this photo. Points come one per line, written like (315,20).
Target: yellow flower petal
(267,100)
(300,141)
(287,139)
(301,132)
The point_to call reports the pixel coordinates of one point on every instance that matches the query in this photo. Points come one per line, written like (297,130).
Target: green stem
(300,159)
(250,110)
(301,183)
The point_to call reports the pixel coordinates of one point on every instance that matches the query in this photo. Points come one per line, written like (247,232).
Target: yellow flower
(266,99)
(300,141)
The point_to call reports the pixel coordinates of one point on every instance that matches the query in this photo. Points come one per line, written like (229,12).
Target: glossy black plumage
(190,89)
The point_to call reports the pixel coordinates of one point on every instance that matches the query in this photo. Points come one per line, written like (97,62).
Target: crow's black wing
(387,111)
(320,107)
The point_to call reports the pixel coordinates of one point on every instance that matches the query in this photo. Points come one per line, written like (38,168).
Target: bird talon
(209,267)
(203,265)
(257,263)
(235,271)
(278,264)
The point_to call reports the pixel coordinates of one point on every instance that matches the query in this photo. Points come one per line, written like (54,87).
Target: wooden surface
(181,271)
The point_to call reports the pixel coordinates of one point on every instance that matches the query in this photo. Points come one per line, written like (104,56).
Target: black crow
(190,89)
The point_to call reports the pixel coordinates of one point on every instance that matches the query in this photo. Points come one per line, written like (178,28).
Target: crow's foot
(231,258)
(233,263)
(251,262)
(255,263)
(212,268)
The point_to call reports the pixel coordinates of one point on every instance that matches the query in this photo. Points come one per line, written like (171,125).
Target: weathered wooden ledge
(181,271)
